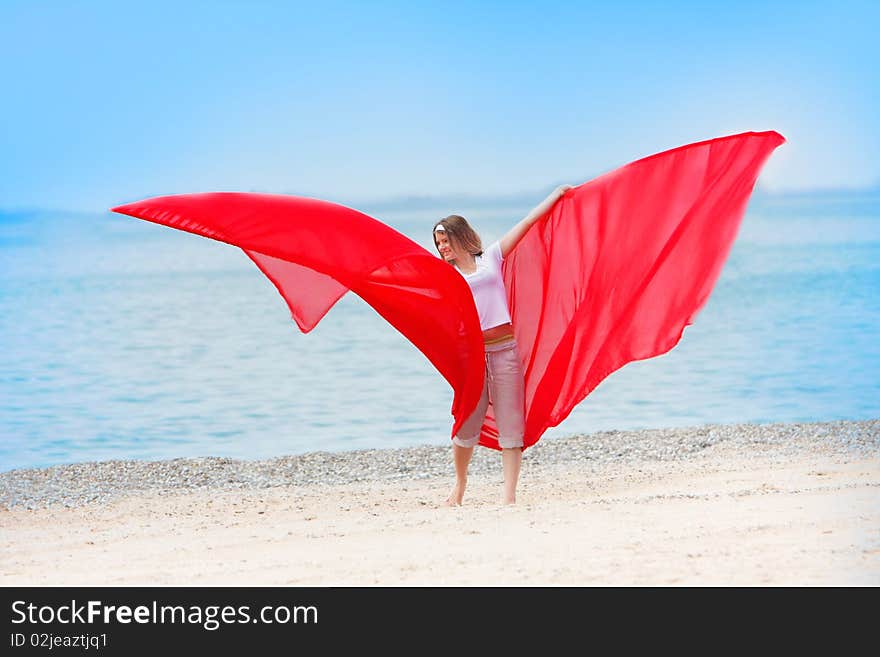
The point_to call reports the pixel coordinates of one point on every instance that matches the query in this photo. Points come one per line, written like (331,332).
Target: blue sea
(122,339)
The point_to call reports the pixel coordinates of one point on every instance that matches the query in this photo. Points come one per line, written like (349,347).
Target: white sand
(719,519)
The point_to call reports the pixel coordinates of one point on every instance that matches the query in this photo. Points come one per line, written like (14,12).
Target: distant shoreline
(514,200)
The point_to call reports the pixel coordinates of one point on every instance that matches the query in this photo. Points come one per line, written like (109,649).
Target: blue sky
(107,102)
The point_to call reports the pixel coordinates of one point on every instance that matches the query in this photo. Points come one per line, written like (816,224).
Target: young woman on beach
(459,245)
(645,244)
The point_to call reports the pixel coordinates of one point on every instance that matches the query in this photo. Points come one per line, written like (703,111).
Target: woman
(459,245)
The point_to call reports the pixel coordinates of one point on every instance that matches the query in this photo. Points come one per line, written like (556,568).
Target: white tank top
(487,286)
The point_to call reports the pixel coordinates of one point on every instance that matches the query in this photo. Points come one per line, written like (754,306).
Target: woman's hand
(515,234)
(559,191)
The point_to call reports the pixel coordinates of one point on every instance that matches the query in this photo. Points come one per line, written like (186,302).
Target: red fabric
(314,252)
(612,274)
(620,265)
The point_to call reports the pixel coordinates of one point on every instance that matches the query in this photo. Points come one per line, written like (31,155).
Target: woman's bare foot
(456,496)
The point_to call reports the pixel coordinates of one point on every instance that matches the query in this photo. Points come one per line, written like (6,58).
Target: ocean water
(121,339)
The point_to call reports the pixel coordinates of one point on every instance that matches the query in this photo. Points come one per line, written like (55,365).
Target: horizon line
(427,201)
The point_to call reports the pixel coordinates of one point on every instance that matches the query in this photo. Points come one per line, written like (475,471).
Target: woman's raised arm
(514,235)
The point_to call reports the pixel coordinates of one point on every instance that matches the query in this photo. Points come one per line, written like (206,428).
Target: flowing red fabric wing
(315,251)
(613,273)
(619,267)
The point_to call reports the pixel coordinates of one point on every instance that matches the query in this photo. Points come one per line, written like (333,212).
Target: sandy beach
(763,505)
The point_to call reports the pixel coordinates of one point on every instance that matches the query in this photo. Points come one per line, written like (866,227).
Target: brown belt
(504,338)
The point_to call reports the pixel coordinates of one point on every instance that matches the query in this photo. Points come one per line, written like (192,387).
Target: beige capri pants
(504,386)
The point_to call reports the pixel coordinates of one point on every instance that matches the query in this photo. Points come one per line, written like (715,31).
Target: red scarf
(611,274)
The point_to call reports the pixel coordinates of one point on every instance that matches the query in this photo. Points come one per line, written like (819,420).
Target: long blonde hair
(460,233)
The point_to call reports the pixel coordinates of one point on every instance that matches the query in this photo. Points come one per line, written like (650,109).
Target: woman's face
(447,249)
